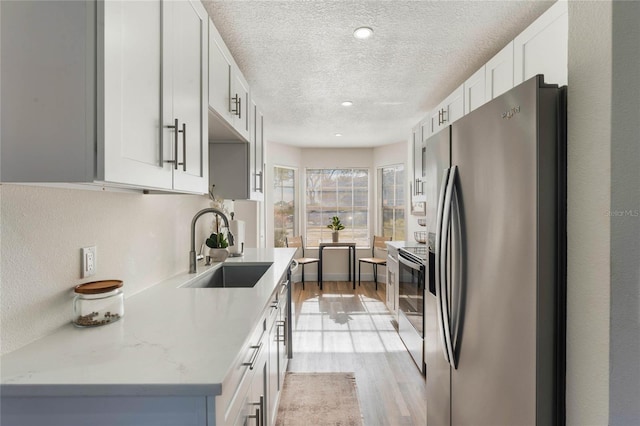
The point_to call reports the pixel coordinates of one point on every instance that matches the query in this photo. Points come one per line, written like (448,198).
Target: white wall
(589,191)
(140,239)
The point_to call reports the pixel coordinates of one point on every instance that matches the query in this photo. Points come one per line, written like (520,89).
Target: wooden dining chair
(296,242)
(378,242)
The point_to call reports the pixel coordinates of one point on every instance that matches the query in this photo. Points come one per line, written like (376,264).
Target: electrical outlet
(89,258)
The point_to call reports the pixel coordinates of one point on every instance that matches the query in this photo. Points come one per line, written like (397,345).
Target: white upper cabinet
(542,47)
(134,150)
(426,127)
(130,70)
(499,73)
(229,94)
(474,91)
(449,110)
(240,104)
(257,154)
(220,64)
(418,143)
(185,86)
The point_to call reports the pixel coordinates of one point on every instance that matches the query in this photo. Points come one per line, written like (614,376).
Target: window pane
(337,192)
(391,205)
(284,206)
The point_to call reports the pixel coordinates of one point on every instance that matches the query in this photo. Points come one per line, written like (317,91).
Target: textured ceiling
(301,61)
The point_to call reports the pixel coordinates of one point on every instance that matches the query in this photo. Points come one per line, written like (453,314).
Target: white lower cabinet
(392,279)
(250,393)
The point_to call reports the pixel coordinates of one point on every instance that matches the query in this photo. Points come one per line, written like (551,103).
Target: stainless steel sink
(232,275)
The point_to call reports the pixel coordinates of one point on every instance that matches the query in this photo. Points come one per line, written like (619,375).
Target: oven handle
(438,256)
(446,230)
(409,263)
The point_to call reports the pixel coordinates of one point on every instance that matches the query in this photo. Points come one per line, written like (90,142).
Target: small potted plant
(335,226)
(217,244)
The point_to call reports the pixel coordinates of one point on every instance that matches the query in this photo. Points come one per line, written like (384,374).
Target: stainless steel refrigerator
(494,327)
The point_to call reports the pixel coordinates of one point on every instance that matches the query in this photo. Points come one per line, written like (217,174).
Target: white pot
(218,254)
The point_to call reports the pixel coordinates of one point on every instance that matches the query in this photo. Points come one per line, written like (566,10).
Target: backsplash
(140,239)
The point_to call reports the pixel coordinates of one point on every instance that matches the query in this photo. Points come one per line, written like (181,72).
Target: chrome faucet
(192,253)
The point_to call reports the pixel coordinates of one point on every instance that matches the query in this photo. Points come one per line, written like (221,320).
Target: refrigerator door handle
(438,262)
(444,283)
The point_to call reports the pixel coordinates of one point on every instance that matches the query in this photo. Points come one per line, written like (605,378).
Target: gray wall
(624,355)
(588,199)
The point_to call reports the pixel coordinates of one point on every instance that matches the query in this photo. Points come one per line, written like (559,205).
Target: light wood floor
(339,329)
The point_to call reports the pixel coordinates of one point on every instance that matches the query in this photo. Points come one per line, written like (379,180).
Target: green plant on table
(335,224)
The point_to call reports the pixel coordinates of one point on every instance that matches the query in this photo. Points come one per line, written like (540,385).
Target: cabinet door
(220,65)
(435,120)
(417,162)
(453,106)
(542,47)
(474,91)
(499,73)
(272,380)
(426,128)
(185,99)
(240,103)
(135,147)
(258,178)
(256,402)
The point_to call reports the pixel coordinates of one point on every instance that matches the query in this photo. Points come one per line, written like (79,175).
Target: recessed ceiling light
(338,134)
(363,33)
(347,103)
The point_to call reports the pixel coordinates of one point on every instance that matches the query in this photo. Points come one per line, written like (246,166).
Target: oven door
(411,289)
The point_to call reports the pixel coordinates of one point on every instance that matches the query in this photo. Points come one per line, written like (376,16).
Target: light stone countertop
(171,341)
(403,244)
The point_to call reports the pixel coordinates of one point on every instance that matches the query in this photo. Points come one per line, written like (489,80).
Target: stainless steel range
(414,271)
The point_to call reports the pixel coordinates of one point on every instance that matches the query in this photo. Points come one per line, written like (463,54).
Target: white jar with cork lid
(98,303)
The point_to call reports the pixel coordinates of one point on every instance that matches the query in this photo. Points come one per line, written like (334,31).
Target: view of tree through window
(284,205)
(392,201)
(337,192)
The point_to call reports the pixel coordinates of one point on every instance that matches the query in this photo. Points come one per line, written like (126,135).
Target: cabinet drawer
(236,384)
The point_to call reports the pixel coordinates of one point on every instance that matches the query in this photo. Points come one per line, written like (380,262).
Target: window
(284,205)
(391,190)
(337,192)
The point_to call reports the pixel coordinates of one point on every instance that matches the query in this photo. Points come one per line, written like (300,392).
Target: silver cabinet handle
(175,142)
(444,117)
(259,188)
(184,147)
(237,109)
(446,230)
(439,263)
(258,414)
(254,357)
(281,324)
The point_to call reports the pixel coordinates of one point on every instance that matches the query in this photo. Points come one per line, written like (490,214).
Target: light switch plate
(89,258)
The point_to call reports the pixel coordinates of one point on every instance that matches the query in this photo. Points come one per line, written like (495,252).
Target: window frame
(296,201)
(379,204)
